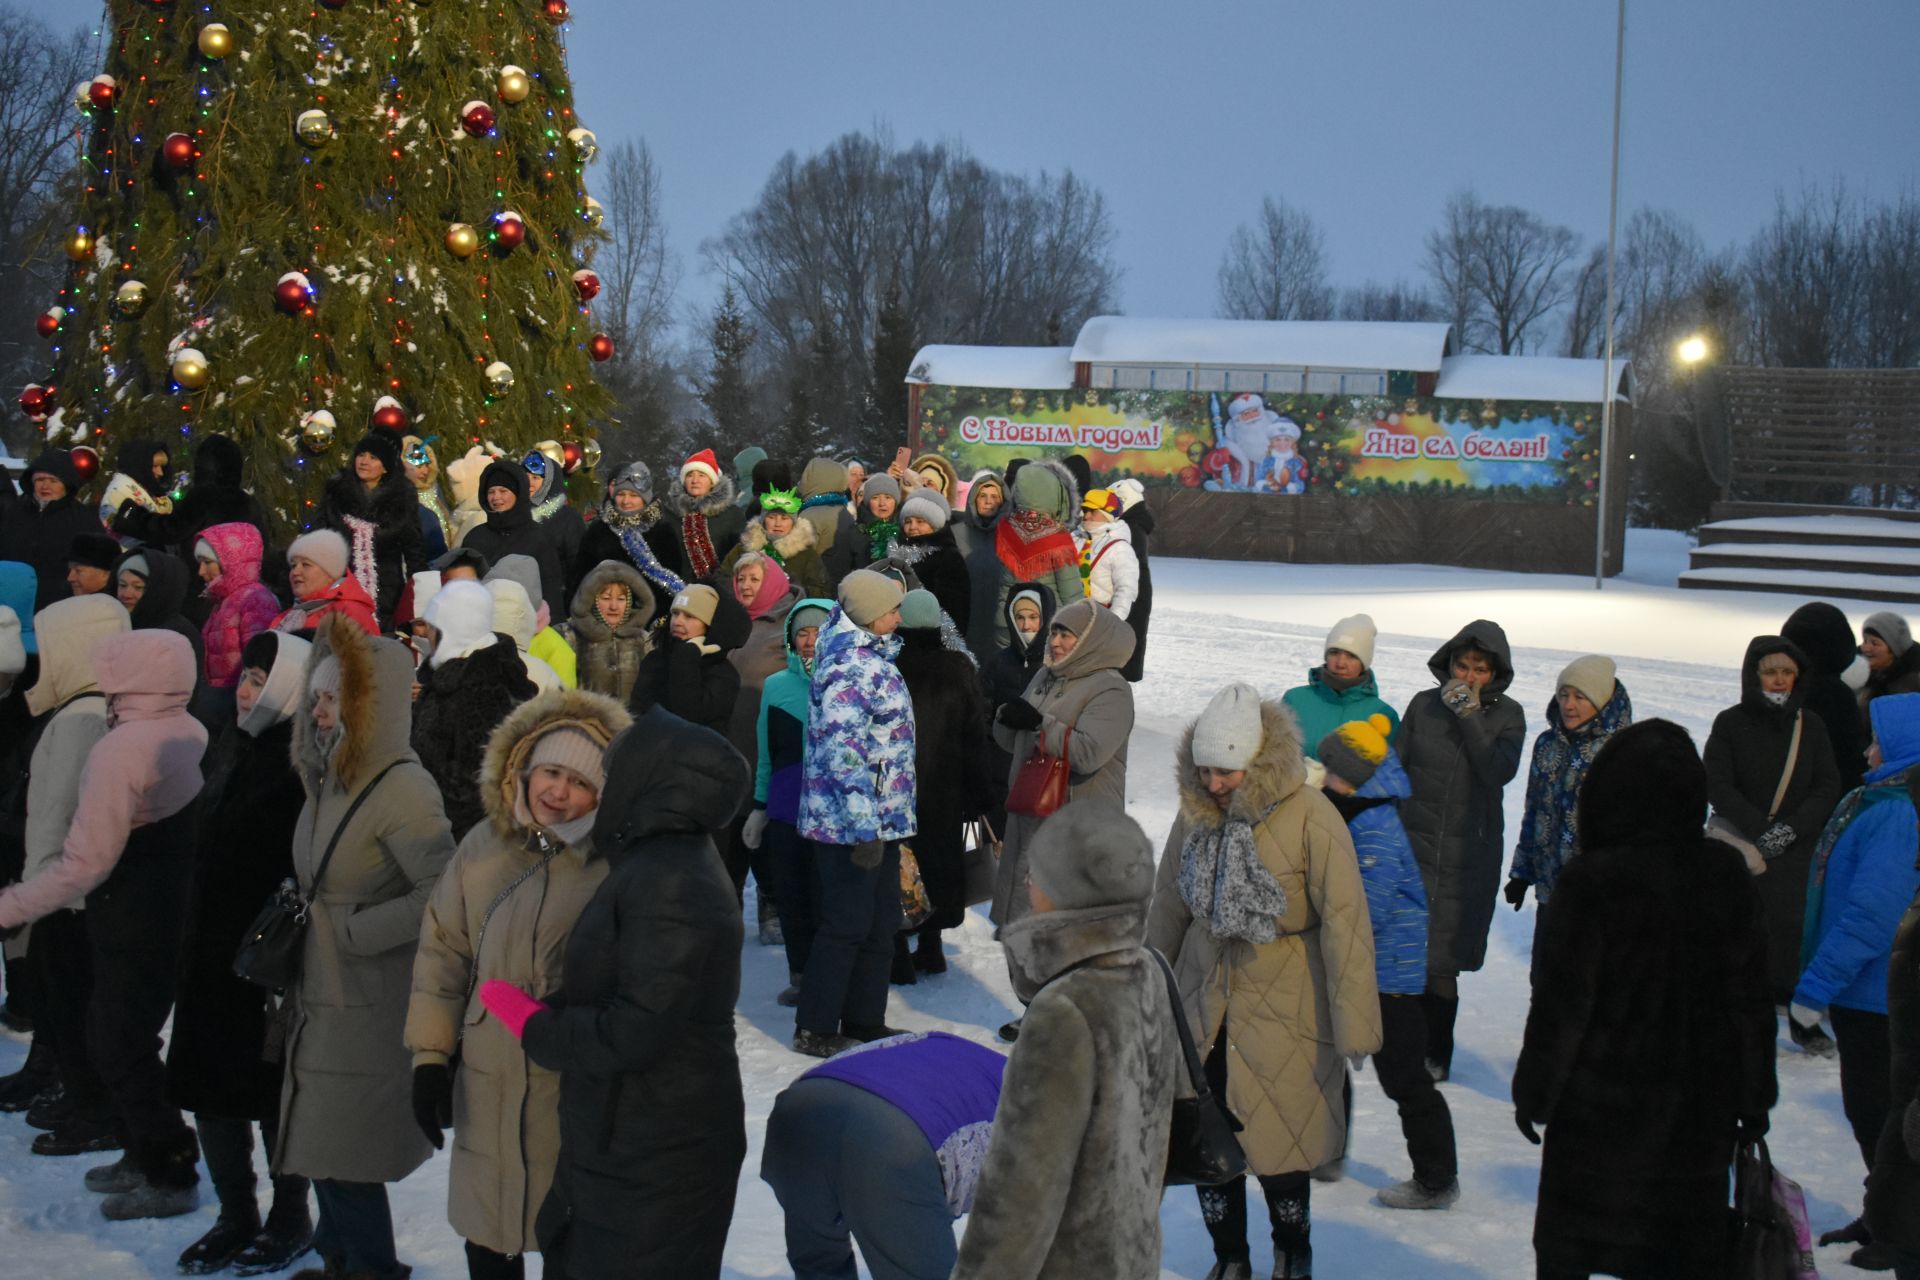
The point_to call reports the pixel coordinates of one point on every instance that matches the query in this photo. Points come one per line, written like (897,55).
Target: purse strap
(1195,1070)
(339,831)
(551,851)
(1786,774)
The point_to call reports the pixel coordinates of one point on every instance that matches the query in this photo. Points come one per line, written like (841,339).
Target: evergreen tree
(727,391)
(893,352)
(303,208)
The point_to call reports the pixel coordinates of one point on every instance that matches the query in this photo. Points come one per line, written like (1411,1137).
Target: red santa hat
(702,461)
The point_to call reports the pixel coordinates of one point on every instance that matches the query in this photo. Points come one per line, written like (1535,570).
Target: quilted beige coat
(506,1109)
(1294,1009)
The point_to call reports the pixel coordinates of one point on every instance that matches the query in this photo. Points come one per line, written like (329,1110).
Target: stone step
(1819,584)
(1895,560)
(1813,531)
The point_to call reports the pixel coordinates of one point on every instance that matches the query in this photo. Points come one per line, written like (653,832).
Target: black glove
(1527,1130)
(1018,715)
(1910,1129)
(866,855)
(1776,839)
(1753,1128)
(433,1100)
(1516,892)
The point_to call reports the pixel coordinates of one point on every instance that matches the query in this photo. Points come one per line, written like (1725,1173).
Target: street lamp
(1692,350)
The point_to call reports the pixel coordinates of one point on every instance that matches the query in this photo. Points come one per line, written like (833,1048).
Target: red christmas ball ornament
(477,118)
(570,456)
(586,283)
(177,151)
(36,401)
(388,415)
(556,11)
(509,230)
(293,293)
(102,92)
(600,347)
(86,461)
(48,323)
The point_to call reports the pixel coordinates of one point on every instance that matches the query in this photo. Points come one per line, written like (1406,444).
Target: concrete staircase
(1850,553)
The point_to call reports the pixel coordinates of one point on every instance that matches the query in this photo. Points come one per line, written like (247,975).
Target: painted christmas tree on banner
(305,218)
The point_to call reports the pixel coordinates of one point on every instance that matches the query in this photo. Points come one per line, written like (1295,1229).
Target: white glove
(1804,1016)
(1316,774)
(755,828)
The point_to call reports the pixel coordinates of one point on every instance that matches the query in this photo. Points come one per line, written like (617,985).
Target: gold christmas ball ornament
(595,213)
(130,299)
(514,84)
(590,453)
(499,377)
(190,368)
(317,431)
(313,127)
(215,41)
(79,245)
(462,240)
(585,146)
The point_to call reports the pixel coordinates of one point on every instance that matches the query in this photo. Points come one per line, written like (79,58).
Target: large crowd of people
(438,816)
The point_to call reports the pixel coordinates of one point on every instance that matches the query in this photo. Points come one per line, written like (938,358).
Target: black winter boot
(288,1232)
(237,1224)
(17,1014)
(35,1076)
(929,956)
(172,1181)
(78,1136)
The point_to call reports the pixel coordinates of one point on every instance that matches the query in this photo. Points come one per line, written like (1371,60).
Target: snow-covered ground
(1213,622)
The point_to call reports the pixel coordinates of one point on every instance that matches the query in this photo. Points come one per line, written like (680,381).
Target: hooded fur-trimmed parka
(1295,1009)
(346,1106)
(506,1109)
(607,659)
(796,551)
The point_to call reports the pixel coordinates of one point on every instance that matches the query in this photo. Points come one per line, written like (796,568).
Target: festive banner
(1246,442)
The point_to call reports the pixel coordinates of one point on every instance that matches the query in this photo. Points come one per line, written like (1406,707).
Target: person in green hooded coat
(1342,688)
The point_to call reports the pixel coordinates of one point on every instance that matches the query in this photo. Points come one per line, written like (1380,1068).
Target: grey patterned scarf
(1224,883)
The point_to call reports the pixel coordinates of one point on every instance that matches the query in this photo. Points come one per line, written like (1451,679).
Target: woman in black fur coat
(373,505)
(927,550)
(950,767)
(1650,1041)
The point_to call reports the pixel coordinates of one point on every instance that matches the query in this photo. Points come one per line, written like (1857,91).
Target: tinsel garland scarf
(324,206)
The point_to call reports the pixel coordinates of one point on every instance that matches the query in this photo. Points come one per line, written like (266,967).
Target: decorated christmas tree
(305,218)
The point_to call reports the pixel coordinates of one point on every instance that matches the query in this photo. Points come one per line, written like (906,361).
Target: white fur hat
(1228,733)
(1354,635)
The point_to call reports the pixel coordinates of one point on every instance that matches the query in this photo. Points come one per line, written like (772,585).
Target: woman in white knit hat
(1261,909)
(317,572)
(504,909)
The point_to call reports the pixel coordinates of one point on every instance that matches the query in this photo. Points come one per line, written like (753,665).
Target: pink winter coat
(243,605)
(145,769)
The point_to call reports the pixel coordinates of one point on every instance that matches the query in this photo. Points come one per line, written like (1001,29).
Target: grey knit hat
(880,484)
(635,477)
(929,506)
(1892,629)
(1091,854)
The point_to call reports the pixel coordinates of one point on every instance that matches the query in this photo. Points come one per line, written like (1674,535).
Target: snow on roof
(1027,368)
(1530,378)
(1255,344)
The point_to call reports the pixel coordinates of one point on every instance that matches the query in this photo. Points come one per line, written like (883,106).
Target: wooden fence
(1837,436)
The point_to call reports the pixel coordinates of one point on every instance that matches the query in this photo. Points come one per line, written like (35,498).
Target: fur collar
(1044,945)
(513,740)
(718,499)
(802,537)
(643,519)
(1277,771)
(341,638)
(391,504)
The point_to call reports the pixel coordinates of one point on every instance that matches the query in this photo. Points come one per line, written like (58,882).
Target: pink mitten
(509,1004)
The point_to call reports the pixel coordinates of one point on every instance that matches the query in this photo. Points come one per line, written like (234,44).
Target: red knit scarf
(693,530)
(1032,545)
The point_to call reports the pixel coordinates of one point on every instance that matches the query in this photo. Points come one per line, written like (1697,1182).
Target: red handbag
(1044,782)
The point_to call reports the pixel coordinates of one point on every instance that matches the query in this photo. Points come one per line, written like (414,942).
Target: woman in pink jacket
(228,557)
(129,850)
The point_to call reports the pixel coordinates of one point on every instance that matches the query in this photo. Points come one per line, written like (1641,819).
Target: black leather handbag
(270,951)
(1201,1149)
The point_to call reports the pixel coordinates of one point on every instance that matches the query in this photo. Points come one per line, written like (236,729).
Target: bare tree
(1804,274)
(1500,271)
(1396,301)
(38,69)
(1275,269)
(639,276)
(976,256)
(1890,324)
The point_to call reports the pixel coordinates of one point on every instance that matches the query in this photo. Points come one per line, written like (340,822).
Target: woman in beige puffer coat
(504,909)
(1261,910)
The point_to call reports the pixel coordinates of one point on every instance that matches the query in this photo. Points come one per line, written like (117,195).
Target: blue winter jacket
(1857,900)
(857,780)
(781,732)
(1550,830)
(1396,896)
(1320,708)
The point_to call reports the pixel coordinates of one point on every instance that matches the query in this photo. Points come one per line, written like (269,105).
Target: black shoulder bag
(1201,1149)
(271,949)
